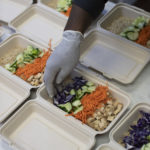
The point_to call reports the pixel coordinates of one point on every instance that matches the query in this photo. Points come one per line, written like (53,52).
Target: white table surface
(139,91)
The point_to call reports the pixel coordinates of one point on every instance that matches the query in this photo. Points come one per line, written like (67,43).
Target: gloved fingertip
(58,80)
(50,94)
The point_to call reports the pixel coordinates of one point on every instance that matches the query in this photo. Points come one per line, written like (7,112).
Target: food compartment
(62,6)
(15,8)
(134,130)
(50,3)
(24,58)
(102,118)
(118,60)
(40,25)
(128,22)
(43,128)
(12,95)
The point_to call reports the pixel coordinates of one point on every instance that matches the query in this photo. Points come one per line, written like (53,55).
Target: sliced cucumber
(79,92)
(72,92)
(10,68)
(76,103)
(141,25)
(91,89)
(19,58)
(146,147)
(66,107)
(89,83)
(123,34)
(78,110)
(132,35)
(27,58)
(14,65)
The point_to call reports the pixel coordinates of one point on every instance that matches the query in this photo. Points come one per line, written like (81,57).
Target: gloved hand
(62,60)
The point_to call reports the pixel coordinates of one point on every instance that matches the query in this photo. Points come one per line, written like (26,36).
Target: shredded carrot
(67,13)
(32,69)
(50,45)
(37,66)
(92,102)
(144,36)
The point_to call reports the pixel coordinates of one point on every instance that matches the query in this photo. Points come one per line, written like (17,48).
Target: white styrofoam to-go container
(45,126)
(116,92)
(9,9)
(37,126)
(18,41)
(121,10)
(8,104)
(40,24)
(123,126)
(113,57)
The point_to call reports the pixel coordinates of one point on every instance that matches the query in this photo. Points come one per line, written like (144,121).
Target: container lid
(42,128)
(12,94)
(112,57)
(40,24)
(9,9)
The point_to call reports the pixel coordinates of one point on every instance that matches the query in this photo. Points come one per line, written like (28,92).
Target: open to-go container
(113,57)
(13,46)
(123,126)
(44,125)
(9,9)
(119,95)
(12,93)
(14,90)
(121,10)
(40,24)
(42,128)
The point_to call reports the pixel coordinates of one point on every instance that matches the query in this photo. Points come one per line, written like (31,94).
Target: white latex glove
(64,58)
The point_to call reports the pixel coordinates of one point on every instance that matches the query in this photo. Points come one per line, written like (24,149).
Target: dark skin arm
(79,19)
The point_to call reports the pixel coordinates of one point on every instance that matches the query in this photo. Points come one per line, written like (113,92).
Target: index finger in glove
(49,79)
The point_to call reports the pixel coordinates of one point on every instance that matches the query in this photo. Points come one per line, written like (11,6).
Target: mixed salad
(69,98)
(91,104)
(132,32)
(26,57)
(64,6)
(139,134)
(29,65)
(138,31)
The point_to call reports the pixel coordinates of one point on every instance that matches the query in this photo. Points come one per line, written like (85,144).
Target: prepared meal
(91,104)
(138,136)
(28,65)
(64,6)
(137,30)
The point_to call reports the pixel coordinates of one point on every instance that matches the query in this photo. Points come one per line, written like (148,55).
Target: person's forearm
(79,19)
